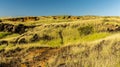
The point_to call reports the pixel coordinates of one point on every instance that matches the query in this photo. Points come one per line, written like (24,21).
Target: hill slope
(60,41)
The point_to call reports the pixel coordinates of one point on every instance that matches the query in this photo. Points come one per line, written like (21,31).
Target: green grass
(95,36)
(2,47)
(53,43)
(12,35)
(75,38)
(4,34)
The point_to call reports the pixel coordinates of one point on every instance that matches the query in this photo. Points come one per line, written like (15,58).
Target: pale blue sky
(59,7)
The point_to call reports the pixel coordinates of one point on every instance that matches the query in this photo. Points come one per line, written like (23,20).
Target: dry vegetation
(60,41)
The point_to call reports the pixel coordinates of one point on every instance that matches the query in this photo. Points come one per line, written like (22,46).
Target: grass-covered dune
(60,41)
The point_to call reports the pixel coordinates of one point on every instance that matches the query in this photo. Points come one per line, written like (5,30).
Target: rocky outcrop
(32,18)
(3,42)
(14,28)
(113,28)
(22,19)
(19,29)
(0,20)
(6,27)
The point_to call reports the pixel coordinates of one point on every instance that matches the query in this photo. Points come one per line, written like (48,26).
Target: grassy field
(61,41)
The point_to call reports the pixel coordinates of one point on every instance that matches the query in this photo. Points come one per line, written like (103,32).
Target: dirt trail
(33,57)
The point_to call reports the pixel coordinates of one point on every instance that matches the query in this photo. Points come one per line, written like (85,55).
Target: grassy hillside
(60,41)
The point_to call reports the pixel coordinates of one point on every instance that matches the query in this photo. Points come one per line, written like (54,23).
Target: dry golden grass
(86,42)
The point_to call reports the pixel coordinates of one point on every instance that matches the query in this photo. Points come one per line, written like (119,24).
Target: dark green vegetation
(58,41)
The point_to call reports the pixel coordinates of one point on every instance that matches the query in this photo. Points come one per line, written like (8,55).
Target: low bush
(85,30)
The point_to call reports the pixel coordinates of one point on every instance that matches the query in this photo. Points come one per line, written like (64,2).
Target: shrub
(85,30)
(35,38)
(106,20)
